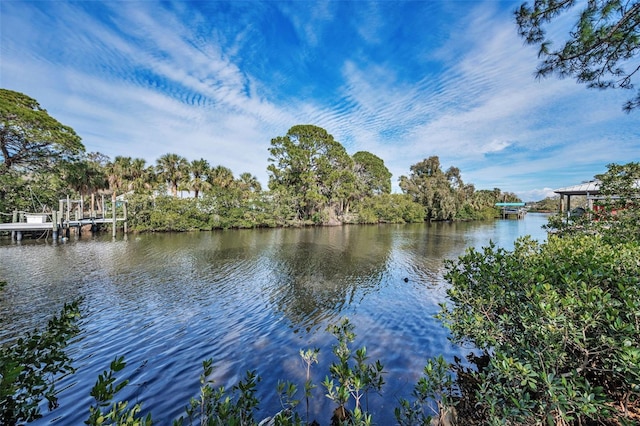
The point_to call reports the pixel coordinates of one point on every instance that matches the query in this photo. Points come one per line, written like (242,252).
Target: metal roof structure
(585,188)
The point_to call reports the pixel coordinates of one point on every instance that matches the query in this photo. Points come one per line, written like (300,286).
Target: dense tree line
(445,196)
(312,180)
(553,326)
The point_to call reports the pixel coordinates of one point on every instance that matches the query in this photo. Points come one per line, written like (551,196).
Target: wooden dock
(71,215)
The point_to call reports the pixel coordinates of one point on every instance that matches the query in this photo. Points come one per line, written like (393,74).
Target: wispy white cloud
(310,19)
(143,79)
(538,194)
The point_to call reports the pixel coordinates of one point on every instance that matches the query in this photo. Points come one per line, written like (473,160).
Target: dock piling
(65,218)
(14,219)
(113,234)
(54,220)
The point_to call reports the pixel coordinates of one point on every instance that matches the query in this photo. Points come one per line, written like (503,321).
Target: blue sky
(403,80)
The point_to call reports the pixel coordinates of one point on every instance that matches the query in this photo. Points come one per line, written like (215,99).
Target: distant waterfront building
(590,190)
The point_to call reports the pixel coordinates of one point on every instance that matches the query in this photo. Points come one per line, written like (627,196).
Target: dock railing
(70,214)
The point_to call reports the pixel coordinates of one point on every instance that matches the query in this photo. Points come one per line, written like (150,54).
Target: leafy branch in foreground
(30,366)
(433,397)
(351,381)
(219,407)
(309,357)
(602,46)
(106,412)
(559,327)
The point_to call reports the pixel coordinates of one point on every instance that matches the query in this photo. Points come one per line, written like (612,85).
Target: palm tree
(97,171)
(141,176)
(248,182)
(174,170)
(116,172)
(199,172)
(221,177)
(85,176)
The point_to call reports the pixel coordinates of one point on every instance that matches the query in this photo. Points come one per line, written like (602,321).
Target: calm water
(249,299)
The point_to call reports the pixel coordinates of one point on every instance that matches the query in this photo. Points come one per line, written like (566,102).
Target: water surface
(249,299)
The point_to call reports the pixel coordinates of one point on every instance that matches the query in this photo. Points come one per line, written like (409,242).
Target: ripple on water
(248,300)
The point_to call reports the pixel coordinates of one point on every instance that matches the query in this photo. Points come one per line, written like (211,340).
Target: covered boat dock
(590,190)
(512,209)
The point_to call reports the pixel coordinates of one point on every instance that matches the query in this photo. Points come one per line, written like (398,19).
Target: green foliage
(177,214)
(433,395)
(220,407)
(617,213)
(125,174)
(30,366)
(313,181)
(373,176)
(139,210)
(429,186)
(30,139)
(85,175)
(233,207)
(605,38)
(468,212)
(485,200)
(389,208)
(351,377)
(620,184)
(237,207)
(200,169)
(287,416)
(312,169)
(445,196)
(350,381)
(173,169)
(558,323)
(105,411)
(309,357)
(30,192)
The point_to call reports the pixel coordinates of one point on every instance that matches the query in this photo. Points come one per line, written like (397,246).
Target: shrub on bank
(557,326)
(389,208)
(469,213)
(225,211)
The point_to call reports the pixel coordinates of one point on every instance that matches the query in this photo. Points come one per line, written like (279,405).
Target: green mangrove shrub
(389,208)
(107,412)
(351,378)
(435,396)
(30,366)
(219,406)
(558,326)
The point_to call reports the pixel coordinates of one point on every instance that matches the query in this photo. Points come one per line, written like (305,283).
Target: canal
(248,299)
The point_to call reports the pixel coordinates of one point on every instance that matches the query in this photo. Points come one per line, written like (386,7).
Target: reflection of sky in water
(248,299)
